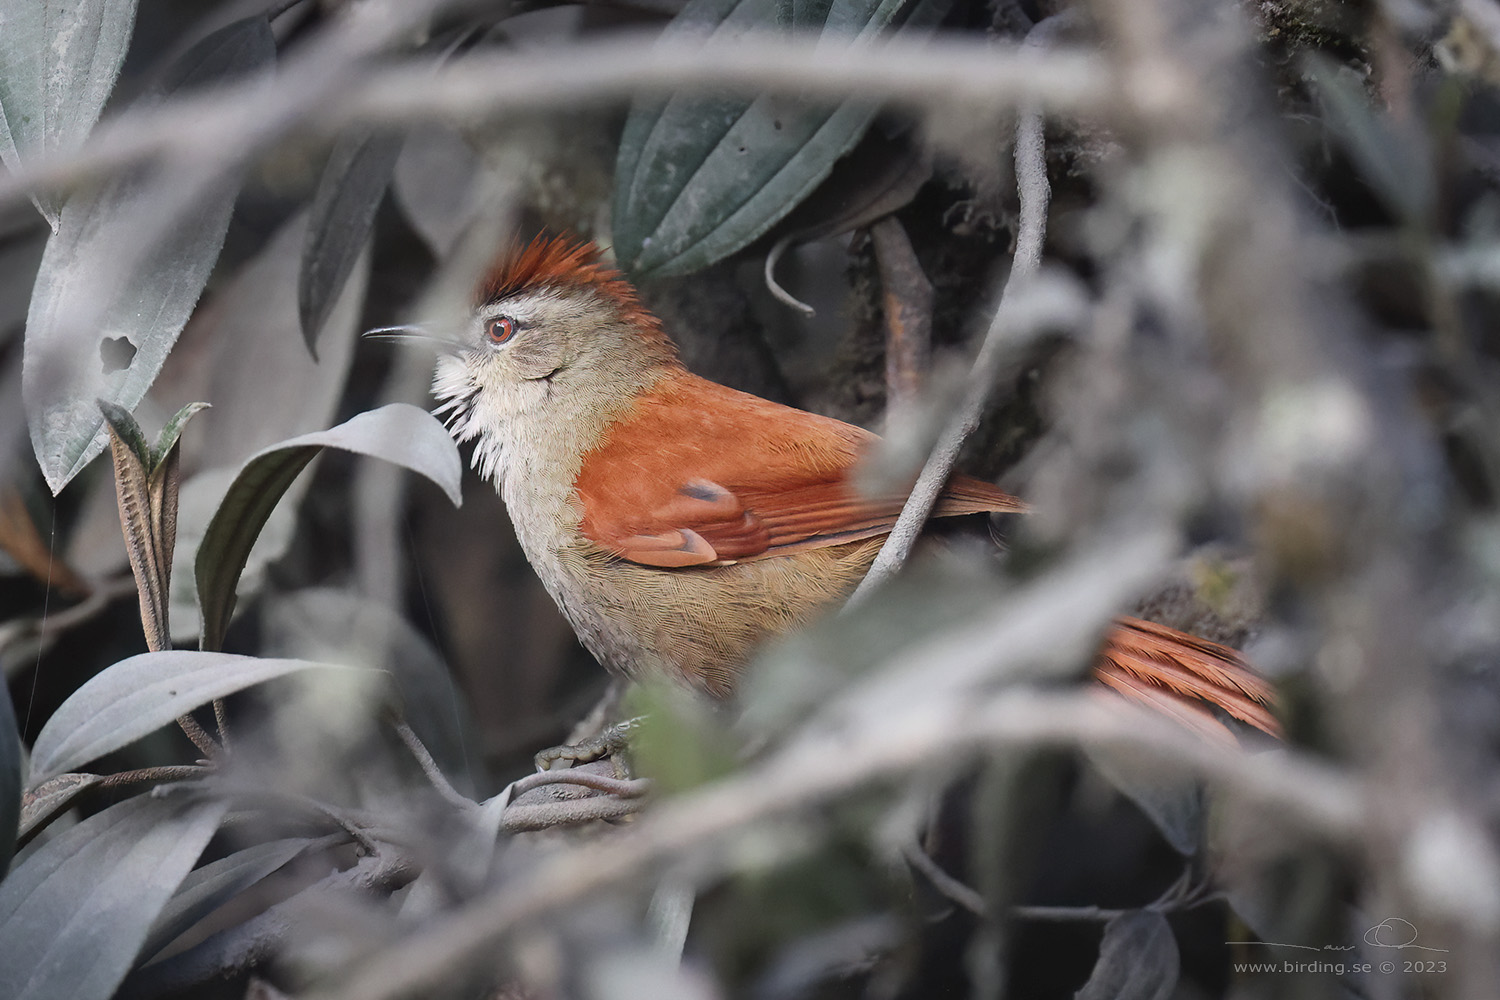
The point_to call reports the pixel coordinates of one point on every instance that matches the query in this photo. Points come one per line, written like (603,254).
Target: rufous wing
(1185,677)
(696,473)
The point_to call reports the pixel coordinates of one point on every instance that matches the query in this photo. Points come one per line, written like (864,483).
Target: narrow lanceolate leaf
(1137,960)
(139,695)
(99,286)
(399,433)
(698,178)
(146,480)
(10,779)
(58,63)
(74,914)
(49,798)
(138,522)
(343,210)
(209,887)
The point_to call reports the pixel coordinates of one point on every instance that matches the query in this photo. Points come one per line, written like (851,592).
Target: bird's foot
(613,743)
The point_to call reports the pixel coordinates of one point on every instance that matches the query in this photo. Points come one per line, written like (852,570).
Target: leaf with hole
(58,63)
(98,282)
(1137,960)
(698,178)
(343,210)
(139,695)
(399,433)
(74,914)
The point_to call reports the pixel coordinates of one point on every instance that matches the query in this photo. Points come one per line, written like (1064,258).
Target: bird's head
(555,337)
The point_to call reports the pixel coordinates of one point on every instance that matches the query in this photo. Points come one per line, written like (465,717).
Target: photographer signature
(1392,932)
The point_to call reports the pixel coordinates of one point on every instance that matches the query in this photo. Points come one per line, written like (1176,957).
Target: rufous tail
(1184,677)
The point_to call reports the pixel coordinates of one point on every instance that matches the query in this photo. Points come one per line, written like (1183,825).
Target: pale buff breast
(700,624)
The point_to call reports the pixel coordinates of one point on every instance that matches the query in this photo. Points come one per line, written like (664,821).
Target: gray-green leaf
(83,296)
(399,433)
(139,695)
(47,799)
(58,63)
(343,210)
(699,178)
(209,887)
(1137,960)
(74,914)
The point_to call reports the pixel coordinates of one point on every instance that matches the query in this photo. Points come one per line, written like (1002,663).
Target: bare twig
(568,812)
(44,630)
(1035,193)
(780,294)
(179,772)
(204,742)
(944,883)
(625,788)
(430,768)
(221,723)
(1066,914)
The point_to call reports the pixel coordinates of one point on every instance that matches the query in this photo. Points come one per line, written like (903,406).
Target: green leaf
(698,178)
(343,211)
(171,433)
(83,296)
(140,694)
(58,63)
(1137,960)
(10,779)
(74,914)
(209,887)
(399,433)
(129,432)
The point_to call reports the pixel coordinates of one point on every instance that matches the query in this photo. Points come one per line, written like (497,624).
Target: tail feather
(1184,676)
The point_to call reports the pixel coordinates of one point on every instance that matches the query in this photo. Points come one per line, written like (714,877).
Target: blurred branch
(102,594)
(1308,794)
(225,127)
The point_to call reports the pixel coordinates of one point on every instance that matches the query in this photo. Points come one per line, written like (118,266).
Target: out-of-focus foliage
(1275,231)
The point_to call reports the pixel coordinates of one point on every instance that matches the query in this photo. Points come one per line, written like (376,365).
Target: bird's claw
(611,743)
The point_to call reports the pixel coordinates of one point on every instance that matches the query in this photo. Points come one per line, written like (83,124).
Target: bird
(679,523)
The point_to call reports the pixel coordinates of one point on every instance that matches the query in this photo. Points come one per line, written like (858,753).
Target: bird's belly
(697,625)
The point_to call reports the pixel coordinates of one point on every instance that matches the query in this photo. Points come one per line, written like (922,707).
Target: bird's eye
(500,329)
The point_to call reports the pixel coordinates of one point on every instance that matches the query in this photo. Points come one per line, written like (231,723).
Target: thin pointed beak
(411,332)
